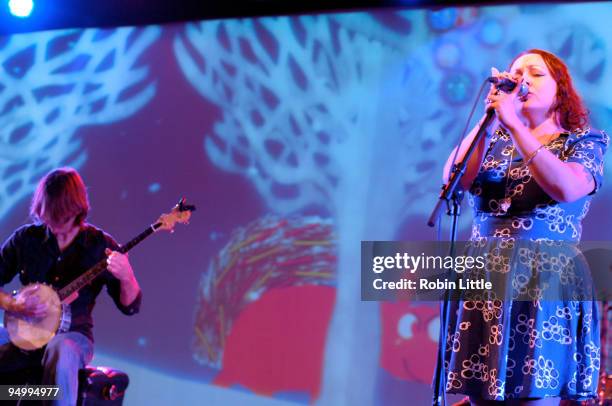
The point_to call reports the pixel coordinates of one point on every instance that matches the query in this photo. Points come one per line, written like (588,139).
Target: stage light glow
(21,8)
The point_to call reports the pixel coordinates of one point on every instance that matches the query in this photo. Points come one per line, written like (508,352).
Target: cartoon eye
(404,326)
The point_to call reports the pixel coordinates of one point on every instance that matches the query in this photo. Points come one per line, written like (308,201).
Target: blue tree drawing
(53,83)
(316,115)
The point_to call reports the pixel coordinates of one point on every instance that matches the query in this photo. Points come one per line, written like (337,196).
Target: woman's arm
(473,165)
(562,181)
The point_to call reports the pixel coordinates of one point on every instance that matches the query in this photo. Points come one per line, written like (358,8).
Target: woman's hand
(506,105)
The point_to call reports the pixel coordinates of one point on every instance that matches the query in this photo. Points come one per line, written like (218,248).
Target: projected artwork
(52,84)
(318,138)
(267,254)
(286,263)
(409,340)
(296,137)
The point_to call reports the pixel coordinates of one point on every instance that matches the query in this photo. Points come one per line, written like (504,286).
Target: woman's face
(532,69)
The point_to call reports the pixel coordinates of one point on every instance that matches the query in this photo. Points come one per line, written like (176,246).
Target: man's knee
(62,350)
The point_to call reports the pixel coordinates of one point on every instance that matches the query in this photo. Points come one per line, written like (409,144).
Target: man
(55,249)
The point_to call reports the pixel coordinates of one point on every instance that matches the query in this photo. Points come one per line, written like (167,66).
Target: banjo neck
(70,291)
(179,214)
(31,334)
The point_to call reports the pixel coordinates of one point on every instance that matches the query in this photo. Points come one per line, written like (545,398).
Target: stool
(101,386)
(98,386)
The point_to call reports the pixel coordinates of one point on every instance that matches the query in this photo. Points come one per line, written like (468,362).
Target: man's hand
(119,265)
(27,305)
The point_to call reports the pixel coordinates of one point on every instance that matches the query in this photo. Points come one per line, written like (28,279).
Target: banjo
(30,333)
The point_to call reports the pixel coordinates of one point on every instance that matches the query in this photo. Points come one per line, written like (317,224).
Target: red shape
(411,359)
(277,342)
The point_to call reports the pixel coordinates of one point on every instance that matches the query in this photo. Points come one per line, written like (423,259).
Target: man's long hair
(568,106)
(59,195)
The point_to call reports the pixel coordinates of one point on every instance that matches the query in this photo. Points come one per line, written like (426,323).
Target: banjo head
(29,333)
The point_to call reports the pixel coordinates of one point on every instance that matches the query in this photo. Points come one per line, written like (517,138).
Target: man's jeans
(61,360)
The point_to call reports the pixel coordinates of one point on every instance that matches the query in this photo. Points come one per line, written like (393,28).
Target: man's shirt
(33,253)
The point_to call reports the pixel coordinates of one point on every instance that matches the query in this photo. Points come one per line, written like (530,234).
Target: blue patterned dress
(499,349)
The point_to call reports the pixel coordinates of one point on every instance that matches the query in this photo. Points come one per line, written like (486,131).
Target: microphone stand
(451,196)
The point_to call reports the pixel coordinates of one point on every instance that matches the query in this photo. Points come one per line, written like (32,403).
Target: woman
(531,183)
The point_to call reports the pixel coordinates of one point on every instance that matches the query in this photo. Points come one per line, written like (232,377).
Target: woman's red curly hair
(568,106)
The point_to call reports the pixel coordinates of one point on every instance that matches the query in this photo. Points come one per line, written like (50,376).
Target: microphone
(506,85)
